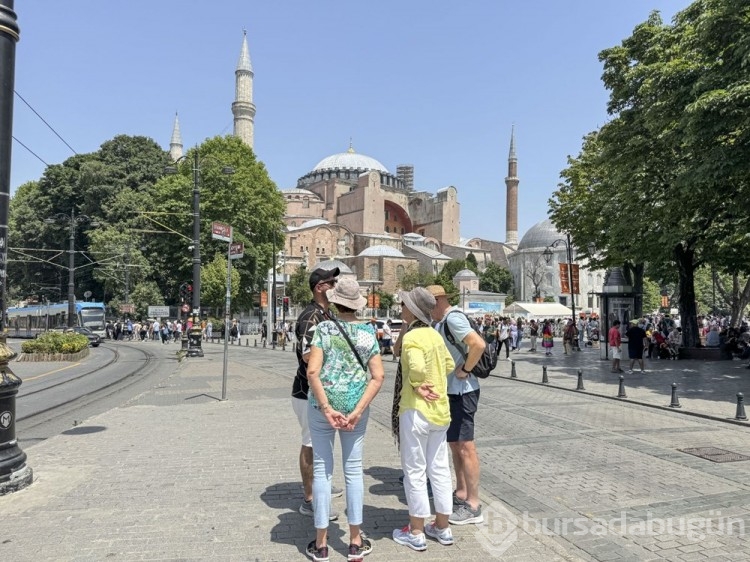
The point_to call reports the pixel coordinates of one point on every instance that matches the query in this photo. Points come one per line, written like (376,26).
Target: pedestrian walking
(548,335)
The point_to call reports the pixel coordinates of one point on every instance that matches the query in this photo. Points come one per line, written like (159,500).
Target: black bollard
(247,342)
(740,407)
(621,390)
(513,370)
(264,344)
(273,345)
(675,403)
(545,380)
(580,380)
(256,343)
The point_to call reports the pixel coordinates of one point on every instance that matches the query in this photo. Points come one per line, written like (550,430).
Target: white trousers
(424,452)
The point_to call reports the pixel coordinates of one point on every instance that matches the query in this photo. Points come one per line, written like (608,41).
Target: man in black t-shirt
(636,341)
(321,280)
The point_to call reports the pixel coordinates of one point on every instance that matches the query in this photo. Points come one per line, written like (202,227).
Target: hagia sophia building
(350,211)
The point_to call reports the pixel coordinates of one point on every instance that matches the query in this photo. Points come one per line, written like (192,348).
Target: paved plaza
(176,474)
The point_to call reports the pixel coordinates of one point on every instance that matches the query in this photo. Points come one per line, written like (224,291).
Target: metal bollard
(513,370)
(580,380)
(545,380)
(621,390)
(247,342)
(740,407)
(264,344)
(256,343)
(675,403)
(273,345)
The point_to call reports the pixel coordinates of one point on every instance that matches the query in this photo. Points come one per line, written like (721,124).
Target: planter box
(54,356)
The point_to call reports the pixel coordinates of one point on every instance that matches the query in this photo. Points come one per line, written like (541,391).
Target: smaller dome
(381,251)
(314,222)
(298,191)
(331,264)
(466,274)
(540,235)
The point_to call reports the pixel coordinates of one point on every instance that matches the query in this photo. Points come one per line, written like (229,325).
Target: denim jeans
(352,443)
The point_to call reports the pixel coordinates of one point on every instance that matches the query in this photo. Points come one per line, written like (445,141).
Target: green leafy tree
(496,279)
(214,284)
(651,295)
(413,277)
(386,300)
(664,182)
(247,200)
(145,294)
(471,262)
(298,286)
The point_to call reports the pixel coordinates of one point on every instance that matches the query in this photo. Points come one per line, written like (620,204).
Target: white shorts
(300,408)
(616,353)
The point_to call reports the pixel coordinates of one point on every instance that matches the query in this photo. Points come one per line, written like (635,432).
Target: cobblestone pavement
(176,474)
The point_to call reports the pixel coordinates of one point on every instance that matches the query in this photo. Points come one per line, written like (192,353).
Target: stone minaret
(243,107)
(511,204)
(175,145)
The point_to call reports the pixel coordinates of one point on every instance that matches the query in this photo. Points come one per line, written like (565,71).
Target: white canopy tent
(538,310)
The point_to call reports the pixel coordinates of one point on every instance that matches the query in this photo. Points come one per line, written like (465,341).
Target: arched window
(400,272)
(306,203)
(374,271)
(387,229)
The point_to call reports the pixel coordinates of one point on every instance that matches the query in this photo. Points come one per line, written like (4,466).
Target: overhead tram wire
(51,128)
(32,152)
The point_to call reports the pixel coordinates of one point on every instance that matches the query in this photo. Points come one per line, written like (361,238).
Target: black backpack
(487,362)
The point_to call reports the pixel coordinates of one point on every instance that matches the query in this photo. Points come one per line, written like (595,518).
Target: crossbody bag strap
(349,341)
(449,335)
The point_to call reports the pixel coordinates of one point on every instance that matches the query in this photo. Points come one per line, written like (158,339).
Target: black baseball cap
(319,275)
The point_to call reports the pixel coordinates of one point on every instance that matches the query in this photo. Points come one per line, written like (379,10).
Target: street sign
(221,231)
(127,308)
(158,311)
(236,250)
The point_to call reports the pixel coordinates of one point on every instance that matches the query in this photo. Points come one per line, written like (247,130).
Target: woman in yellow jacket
(424,416)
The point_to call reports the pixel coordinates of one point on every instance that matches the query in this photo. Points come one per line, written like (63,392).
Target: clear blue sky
(435,84)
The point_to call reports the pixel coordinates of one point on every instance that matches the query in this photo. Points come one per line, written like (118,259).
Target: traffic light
(286,304)
(186,292)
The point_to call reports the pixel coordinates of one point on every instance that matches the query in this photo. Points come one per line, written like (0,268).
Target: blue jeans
(352,443)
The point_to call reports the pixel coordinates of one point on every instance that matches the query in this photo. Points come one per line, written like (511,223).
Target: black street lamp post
(197,168)
(73,221)
(14,472)
(548,257)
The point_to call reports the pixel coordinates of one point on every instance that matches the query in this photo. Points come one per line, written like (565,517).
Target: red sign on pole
(565,279)
(236,250)
(221,231)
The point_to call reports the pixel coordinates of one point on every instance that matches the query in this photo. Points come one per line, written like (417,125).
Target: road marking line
(51,372)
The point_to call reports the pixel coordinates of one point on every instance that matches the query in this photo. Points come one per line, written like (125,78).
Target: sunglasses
(330,282)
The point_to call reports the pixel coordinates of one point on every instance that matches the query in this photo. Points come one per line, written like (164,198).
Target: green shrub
(56,342)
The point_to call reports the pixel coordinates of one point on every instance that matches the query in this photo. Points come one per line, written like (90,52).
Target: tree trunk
(740,299)
(686,286)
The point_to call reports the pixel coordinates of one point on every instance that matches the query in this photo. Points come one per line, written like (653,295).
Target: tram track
(130,377)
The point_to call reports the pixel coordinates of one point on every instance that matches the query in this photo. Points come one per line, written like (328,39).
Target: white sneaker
(443,536)
(405,537)
(630,371)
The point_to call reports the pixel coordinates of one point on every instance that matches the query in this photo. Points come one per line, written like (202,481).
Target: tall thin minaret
(175,145)
(243,107)
(511,203)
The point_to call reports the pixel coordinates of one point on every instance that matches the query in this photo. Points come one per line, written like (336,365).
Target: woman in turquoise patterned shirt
(345,373)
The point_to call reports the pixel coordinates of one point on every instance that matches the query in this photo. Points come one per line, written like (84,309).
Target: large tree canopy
(665,182)
(133,222)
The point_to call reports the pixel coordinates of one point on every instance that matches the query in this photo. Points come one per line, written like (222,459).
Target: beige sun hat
(420,303)
(346,293)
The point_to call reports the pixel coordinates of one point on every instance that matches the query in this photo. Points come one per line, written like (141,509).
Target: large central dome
(349,160)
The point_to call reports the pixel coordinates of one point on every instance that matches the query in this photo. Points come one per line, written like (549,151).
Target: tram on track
(28,321)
